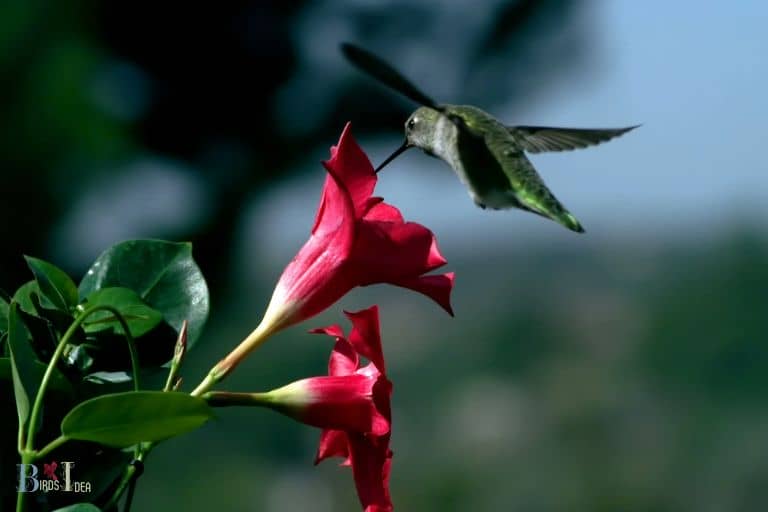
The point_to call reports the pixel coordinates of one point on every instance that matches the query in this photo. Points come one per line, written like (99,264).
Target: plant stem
(178,355)
(26,458)
(207,383)
(129,475)
(50,447)
(129,496)
(226,365)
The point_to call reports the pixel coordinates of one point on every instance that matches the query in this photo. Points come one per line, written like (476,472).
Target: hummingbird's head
(420,128)
(419,132)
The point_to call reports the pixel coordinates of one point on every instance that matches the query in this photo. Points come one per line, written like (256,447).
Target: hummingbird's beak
(394,155)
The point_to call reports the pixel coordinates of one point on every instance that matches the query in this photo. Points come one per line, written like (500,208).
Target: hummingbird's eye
(411,123)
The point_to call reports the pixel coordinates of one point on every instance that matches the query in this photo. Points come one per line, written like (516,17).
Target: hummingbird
(488,156)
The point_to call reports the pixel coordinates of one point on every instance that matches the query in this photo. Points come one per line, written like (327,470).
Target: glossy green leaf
(140,318)
(3,316)
(79,507)
(163,274)
(23,374)
(54,283)
(124,419)
(23,297)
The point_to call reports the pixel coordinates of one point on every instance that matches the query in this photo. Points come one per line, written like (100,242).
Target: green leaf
(124,419)
(140,318)
(3,316)
(163,274)
(24,297)
(79,507)
(25,381)
(54,283)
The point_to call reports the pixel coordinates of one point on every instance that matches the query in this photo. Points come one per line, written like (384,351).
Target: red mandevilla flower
(351,404)
(357,240)
(367,452)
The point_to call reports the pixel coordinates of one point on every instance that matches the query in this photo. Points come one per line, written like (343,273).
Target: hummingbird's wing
(537,139)
(386,74)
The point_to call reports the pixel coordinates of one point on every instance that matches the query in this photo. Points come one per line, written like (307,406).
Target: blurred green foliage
(617,378)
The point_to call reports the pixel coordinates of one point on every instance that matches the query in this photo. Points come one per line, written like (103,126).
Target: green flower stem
(28,453)
(207,383)
(227,399)
(226,365)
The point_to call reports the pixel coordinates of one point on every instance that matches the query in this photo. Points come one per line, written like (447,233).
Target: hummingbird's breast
(444,146)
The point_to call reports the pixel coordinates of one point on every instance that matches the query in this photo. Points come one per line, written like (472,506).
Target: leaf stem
(50,447)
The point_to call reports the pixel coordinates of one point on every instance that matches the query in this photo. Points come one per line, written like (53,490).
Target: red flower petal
(365,337)
(343,403)
(382,399)
(332,330)
(384,251)
(437,288)
(343,360)
(380,211)
(314,280)
(333,443)
(353,169)
(371,461)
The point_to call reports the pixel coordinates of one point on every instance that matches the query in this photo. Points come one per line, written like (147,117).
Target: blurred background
(622,370)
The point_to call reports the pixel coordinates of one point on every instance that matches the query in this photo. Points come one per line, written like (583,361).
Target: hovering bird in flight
(487,156)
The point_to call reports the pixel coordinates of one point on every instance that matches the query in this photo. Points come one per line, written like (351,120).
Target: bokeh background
(623,370)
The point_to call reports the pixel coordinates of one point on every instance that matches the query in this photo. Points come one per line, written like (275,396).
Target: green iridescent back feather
(491,147)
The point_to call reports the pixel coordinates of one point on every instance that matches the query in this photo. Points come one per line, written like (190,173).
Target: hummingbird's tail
(569,221)
(544,203)
(559,215)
